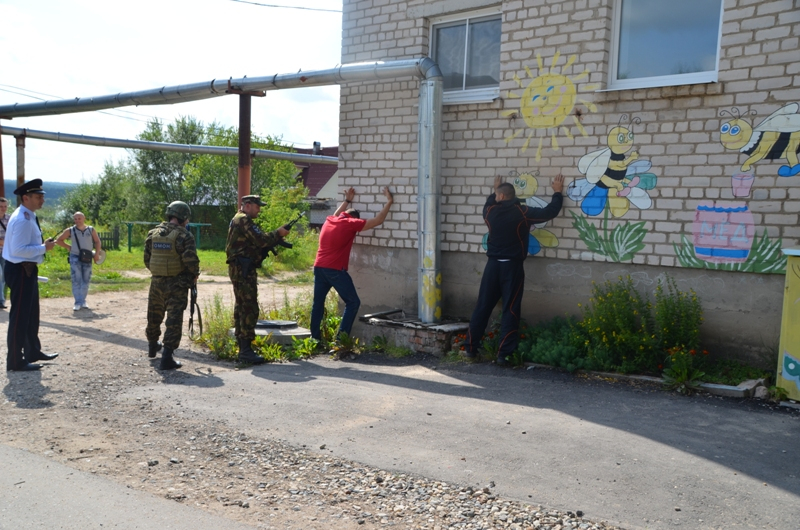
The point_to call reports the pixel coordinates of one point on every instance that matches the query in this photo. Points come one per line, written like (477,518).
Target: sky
(61,49)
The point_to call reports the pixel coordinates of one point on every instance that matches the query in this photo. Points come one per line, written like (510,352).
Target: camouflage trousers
(245,310)
(167,295)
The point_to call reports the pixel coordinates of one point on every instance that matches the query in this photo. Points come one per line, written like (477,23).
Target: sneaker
(84,306)
(76,307)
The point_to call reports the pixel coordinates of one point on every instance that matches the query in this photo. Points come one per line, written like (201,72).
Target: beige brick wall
(759,72)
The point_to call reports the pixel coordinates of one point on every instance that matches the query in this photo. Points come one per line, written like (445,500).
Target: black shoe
(502,361)
(167,362)
(27,367)
(153,349)
(247,355)
(42,356)
(3,306)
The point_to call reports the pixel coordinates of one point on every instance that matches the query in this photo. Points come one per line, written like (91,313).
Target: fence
(110,240)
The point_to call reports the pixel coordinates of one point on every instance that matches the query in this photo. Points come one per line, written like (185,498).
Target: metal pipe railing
(162,146)
(346,73)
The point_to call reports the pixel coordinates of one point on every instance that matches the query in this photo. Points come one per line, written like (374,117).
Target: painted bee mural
(612,178)
(775,138)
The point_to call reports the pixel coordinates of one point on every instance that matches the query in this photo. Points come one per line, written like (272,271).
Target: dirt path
(70,410)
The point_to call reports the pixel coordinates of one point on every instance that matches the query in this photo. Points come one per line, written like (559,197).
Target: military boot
(153,349)
(247,355)
(167,362)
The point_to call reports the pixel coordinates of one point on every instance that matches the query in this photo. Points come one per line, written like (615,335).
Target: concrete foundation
(742,311)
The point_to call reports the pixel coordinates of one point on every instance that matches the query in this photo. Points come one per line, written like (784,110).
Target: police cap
(253,199)
(33,186)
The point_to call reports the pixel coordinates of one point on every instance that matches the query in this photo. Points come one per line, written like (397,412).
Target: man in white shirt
(24,250)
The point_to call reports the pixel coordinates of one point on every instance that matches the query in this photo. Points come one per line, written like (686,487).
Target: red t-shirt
(336,239)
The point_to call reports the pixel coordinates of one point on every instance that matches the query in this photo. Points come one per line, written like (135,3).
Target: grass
(110,276)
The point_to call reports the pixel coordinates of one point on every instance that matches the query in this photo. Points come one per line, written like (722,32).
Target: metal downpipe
(429,188)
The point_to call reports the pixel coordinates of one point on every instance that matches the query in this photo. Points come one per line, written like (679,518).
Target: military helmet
(178,209)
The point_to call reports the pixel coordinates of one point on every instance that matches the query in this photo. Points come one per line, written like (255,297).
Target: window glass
(450,44)
(658,38)
(483,60)
(467,50)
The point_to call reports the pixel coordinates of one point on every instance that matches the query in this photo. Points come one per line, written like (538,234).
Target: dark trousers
(23,319)
(324,280)
(501,279)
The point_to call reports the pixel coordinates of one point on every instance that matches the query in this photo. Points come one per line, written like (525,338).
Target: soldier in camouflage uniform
(245,252)
(170,254)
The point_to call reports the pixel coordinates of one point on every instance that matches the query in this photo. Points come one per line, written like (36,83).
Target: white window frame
(470,95)
(663,80)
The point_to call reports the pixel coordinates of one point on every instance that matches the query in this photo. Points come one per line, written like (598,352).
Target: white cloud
(82,48)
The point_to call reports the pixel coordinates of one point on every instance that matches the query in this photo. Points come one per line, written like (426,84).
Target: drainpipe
(429,189)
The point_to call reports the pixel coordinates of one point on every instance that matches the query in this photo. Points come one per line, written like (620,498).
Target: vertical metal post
(429,186)
(2,175)
(245,163)
(20,164)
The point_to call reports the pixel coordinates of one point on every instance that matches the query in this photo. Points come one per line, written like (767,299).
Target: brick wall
(679,129)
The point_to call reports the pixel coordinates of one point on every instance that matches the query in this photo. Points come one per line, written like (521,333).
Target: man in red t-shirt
(330,268)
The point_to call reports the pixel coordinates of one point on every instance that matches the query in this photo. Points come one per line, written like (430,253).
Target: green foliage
(678,316)
(618,329)
(283,205)
(681,373)
(105,277)
(271,351)
(304,348)
(778,394)
(765,257)
(380,343)
(383,345)
(730,372)
(217,322)
(558,342)
(620,244)
(345,345)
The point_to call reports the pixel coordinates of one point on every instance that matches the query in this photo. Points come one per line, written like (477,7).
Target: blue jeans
(81,276)
(324,280)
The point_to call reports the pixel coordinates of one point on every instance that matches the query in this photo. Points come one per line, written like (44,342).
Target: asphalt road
(629,454)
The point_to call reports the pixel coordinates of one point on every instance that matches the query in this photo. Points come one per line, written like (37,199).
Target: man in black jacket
(509,224)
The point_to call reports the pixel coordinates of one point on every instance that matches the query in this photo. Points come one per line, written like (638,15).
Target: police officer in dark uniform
(245,248)
(23,251)
(170,253)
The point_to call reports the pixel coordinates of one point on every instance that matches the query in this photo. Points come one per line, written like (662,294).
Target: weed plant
(678,316)
(682,373)
(217,322)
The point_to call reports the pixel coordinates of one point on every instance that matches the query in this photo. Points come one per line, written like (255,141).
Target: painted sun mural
(546,102)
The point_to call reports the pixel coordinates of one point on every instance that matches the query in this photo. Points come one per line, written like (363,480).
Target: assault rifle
(192,305)
(281,242)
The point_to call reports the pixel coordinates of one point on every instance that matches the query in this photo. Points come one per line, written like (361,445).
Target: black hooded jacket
(510,223)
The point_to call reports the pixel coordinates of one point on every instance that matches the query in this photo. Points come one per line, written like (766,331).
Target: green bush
(558,343)
(619,329)
(678,316)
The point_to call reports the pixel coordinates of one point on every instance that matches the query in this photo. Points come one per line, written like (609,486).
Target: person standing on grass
(4,217)
(170,254)
(24,251)
(330,267)
(244,250)
(503,277)
(84,238)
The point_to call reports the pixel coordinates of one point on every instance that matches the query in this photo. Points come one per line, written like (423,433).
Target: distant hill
(54,190)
